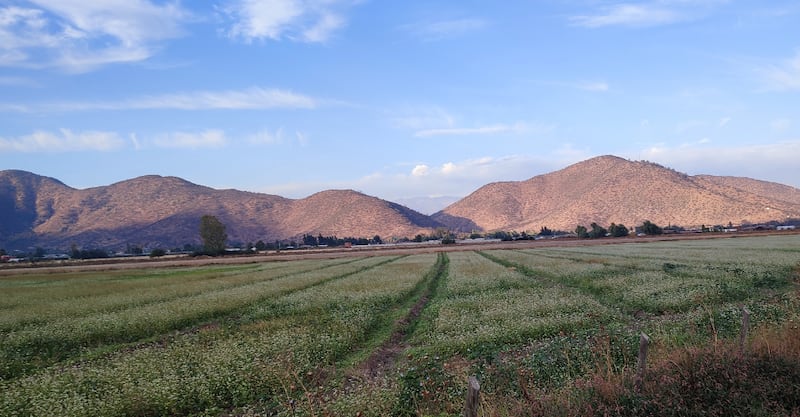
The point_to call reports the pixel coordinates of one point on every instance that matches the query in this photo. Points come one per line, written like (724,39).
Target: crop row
(534,320)
(35,346)
(276,344)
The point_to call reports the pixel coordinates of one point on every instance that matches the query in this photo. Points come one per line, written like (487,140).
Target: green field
(547,331)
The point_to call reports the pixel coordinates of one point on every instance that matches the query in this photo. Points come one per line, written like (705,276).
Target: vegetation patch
(551,331)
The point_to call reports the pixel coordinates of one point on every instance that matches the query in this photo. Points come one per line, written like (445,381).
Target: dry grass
(713,380)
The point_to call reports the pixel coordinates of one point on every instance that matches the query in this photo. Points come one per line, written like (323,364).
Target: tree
(212,232)
(597,231)
(581,231)
(260,245)
(618,230)
(650,228)
(377,240)
(157,252)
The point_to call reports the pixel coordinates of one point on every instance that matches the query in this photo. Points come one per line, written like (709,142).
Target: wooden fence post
(745,329)
(644,342)
(473,394)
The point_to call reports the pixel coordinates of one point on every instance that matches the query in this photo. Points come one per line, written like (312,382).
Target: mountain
(155,211)
(609,189)
(165,211)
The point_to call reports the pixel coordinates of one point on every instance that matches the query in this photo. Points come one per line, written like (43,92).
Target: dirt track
(46,267)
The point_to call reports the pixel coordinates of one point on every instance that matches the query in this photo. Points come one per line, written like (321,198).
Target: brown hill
(609,189)
(165,211)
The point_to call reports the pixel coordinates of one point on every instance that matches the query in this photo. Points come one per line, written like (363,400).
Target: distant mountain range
(156,211)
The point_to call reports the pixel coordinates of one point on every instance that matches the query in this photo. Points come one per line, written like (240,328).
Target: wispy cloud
(518,127)
(646,13)
(64,140)
(266,137)
(629,14)
(295,20)
(277,137)
(783,77)
(251,98)
(433,31)
(18,82)
(254,98)
(82,36)
(211,138)
(422,118)
(595,86)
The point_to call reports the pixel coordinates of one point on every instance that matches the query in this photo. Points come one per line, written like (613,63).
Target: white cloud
(297,20)
(595,86)
(420,170)
(254,98)
(445,29)
(79,36)
(646,13)
(211,138)
(519,127)
(18,82)
(627,14)
(783,77)
(449,168)
(302,138)
(265,137)
(62,141)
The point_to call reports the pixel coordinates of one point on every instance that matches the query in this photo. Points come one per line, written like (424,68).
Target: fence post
(644,342)
(745,329)
(473,394)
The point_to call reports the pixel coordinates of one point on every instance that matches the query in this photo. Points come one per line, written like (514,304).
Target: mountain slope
(165,211)
(609,189)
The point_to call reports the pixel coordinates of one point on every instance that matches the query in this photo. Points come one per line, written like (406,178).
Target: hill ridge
(154,210)
(608,189)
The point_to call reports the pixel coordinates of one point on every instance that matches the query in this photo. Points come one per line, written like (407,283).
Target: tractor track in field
(383,359)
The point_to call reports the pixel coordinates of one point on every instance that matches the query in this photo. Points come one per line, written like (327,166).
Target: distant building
(790,227)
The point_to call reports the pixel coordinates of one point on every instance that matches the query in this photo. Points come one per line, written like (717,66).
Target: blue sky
(418,102)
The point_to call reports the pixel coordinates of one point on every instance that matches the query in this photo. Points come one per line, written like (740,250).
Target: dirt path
(383,359)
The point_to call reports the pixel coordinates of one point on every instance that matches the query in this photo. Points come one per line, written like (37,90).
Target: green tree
(597,231)
(650,228)
(581,231)
(260,245)
(212,232)
(618,230)
(157,252)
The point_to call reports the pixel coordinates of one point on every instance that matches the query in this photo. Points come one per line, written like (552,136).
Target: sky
(417,102)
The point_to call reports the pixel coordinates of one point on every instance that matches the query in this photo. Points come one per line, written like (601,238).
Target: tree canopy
(213,234)
(650,228)
(618,230)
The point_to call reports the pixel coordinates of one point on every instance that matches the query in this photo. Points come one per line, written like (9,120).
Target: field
(547,331)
